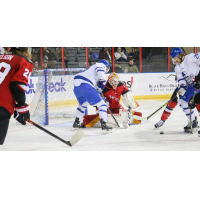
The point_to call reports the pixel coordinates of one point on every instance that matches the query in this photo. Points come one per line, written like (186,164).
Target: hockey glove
(192,104)
(181,90)
(196,85)
(21,113)
(101,85)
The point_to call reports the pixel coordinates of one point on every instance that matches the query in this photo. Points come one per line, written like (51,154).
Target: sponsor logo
(127,83)
(30,88)
(52,87)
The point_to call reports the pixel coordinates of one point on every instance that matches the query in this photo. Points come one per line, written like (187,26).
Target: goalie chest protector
(113,96)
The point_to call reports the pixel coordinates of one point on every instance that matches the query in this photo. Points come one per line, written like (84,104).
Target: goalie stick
(70,143)
(146,118)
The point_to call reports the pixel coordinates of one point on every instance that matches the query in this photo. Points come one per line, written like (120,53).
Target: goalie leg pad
(129,101)
(135,121)
(90,120)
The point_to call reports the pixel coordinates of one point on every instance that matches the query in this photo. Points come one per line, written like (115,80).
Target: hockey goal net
(54,96)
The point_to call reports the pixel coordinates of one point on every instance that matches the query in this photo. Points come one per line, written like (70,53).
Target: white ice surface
(143,137)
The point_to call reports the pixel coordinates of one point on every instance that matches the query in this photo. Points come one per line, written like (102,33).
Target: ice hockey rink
(142,137)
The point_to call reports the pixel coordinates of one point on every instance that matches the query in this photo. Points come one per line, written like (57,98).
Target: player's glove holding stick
(196,84)
(101,85)
(21,113)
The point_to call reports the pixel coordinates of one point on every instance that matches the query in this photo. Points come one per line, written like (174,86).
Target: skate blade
(107,131)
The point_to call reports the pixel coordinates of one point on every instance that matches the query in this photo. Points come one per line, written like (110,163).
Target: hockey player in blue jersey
(87,87)
(186,68)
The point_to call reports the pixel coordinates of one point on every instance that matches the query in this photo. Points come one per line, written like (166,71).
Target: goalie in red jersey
(15,70)
(113,91)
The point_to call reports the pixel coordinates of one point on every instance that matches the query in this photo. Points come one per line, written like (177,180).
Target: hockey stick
(146,118)
(191,113)
(111,112)
(70,143)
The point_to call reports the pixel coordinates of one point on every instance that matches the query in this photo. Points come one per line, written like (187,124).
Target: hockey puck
(161,132)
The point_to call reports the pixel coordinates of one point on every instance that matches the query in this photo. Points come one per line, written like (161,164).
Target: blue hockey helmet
(95,56)
(105,62)
(175,52)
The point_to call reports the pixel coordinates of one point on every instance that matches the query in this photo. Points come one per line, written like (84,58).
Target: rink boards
(145,86)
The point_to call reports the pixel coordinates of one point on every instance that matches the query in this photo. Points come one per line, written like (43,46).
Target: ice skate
(159,124)
(76,124)
(187,128)
(106,129)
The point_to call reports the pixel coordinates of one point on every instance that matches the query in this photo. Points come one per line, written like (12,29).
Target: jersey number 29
(4,70)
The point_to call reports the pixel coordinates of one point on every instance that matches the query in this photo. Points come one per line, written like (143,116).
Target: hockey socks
(168,109)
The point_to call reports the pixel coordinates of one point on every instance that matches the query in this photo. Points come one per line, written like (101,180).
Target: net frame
(42,100)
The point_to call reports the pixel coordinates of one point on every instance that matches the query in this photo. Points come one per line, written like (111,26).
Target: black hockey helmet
(18,48)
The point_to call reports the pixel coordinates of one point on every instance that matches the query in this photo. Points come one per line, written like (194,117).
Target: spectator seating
(71,50)
(57,65)
(82,64)
(72,57)
(94,50)
(72,65)
(81,57)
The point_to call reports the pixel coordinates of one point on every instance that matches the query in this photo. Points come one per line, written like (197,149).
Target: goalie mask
(114,80)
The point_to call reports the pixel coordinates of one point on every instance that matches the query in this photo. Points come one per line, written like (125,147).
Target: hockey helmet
(114,80)
(22,49)
(95,56)
(175,52)
(105,62)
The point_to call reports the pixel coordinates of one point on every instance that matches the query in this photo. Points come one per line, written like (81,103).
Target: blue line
(100,70)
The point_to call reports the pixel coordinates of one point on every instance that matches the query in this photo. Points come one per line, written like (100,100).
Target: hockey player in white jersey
(87,87)
(187,68)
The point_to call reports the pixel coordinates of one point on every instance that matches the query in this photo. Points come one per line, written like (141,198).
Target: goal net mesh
(54,96)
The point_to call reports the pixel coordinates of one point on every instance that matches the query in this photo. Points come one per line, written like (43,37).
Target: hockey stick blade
(76,137)
(70,143)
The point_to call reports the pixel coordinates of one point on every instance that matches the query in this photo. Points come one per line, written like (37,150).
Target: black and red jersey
(14,70)
(113,96)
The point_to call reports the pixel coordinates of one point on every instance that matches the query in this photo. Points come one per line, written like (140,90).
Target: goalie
(113,91)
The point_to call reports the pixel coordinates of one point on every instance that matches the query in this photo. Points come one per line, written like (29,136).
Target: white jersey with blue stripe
(189,67)
(91,76)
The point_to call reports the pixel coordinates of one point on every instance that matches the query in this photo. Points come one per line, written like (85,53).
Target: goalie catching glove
(21,113)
